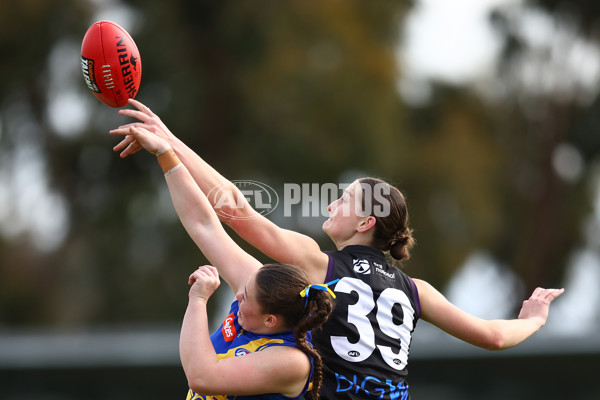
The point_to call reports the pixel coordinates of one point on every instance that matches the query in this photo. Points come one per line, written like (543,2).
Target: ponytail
(318,307)
(401,244)
(279,288)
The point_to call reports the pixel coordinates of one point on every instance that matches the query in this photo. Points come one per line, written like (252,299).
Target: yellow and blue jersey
(230,340)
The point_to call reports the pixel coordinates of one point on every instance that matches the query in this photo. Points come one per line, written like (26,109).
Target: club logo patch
(362,266)
(241,352)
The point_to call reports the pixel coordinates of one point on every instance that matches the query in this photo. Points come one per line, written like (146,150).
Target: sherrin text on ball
(111,63)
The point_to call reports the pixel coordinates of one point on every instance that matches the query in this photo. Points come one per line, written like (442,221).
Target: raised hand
(147,120)
(140,137)
(538,305)
(204,282)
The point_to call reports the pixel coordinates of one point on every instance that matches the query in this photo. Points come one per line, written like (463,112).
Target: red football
(111,63)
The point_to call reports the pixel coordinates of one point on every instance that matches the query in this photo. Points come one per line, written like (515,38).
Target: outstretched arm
(279,244)
(491,335)
(199,219)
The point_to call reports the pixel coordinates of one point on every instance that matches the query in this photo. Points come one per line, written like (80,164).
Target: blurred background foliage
(284,92)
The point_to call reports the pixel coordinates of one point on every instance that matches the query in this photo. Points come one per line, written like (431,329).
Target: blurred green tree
(281,92)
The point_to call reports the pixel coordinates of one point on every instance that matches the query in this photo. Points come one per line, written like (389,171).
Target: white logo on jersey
(381,271)
(241,352)
(362,266)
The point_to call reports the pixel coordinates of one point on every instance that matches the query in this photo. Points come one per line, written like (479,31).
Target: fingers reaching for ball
(148,123)
(137,137)
(128,146)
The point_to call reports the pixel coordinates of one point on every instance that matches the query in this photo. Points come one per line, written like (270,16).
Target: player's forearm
(190,203)
(509,333)
(195,348)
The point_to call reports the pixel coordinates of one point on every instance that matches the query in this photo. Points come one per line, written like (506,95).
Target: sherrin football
(111,63)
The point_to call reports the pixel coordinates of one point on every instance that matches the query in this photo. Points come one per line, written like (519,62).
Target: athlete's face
(250,316)
(343,218)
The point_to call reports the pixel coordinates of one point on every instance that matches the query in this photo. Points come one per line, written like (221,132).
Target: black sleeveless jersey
(365,342)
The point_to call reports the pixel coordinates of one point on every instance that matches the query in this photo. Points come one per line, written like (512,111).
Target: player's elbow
(496,340)
(202,378)
(197,387)
(199,384)
(495,344)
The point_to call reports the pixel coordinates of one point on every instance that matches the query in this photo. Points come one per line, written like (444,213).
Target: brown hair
(388,205)
(278,288)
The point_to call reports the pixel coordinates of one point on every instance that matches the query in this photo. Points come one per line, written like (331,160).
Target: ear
(270,320)
(366,223)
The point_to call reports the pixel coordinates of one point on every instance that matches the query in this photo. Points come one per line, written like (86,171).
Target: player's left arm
(488,334)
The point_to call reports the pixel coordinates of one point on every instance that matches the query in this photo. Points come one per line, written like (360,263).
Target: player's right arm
(280,244)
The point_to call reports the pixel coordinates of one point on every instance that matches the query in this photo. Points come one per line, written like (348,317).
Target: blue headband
(321,286)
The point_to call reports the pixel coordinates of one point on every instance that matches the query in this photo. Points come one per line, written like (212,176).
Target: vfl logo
(241,352)
(362,266)
(228,329)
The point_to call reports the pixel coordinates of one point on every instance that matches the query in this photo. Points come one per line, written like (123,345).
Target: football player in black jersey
(366,341)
